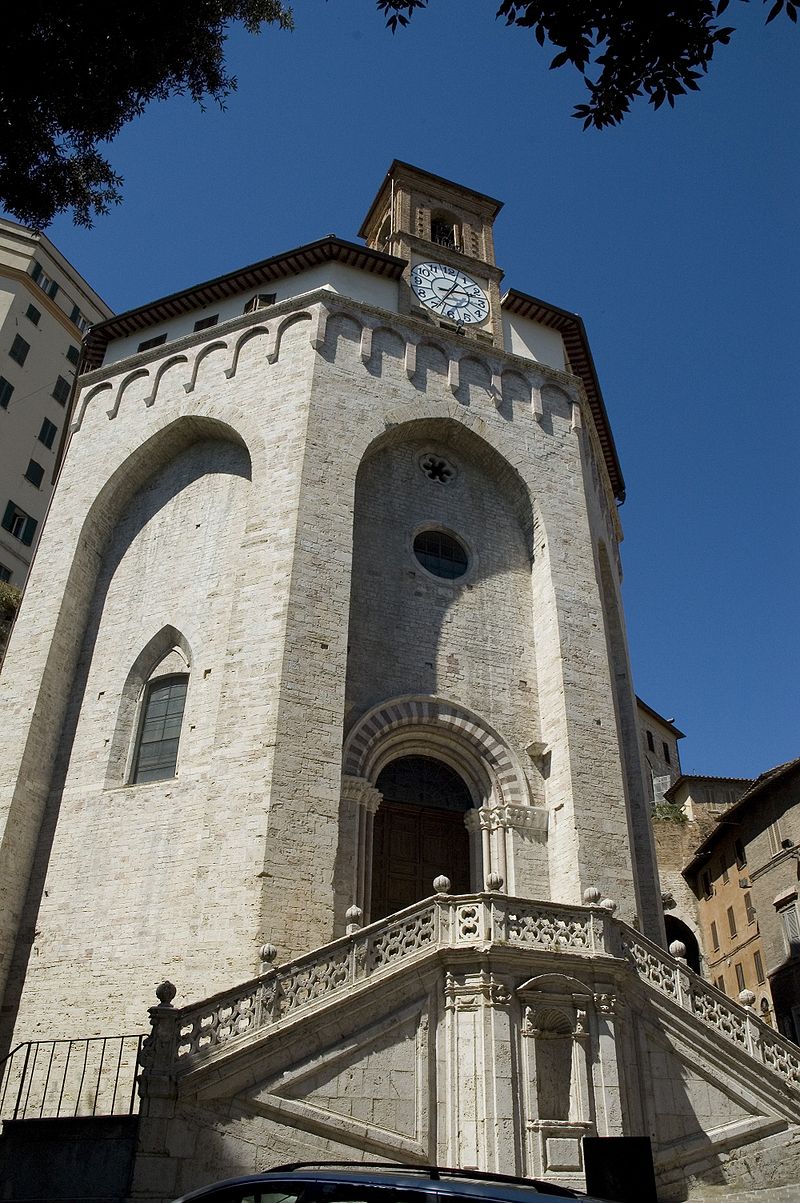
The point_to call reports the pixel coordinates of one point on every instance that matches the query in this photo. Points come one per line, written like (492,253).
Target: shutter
(791,925)
(29,531)
(8,517)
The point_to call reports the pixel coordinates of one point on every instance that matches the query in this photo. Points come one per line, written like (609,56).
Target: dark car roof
(425,1179)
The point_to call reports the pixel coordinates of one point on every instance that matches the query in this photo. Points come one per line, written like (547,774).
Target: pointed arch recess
(156,649)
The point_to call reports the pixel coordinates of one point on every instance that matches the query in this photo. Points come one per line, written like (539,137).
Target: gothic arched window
(156,755)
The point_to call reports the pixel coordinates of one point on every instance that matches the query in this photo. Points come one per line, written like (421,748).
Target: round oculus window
(441,554)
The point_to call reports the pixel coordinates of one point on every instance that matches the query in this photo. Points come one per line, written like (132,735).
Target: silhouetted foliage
(632,47)
(72,74)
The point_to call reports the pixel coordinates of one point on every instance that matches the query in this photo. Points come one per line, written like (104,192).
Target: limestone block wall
(381,382)
(172,871)
(470,639)
(251,564)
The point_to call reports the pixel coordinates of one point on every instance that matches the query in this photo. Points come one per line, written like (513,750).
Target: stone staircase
(479,1030)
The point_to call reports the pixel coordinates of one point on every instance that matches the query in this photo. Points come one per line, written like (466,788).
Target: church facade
(319,706)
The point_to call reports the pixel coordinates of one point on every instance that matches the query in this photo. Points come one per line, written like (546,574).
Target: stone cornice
(413,330)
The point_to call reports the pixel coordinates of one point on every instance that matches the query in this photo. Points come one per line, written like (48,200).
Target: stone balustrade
(488,922)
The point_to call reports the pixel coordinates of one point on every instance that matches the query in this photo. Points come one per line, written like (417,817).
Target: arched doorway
(419,833)
(676,929)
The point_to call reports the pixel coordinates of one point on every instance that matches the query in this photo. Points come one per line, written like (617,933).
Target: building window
(33,315)
(714,937)
(441,554)
(731,921)
(204,323)
(156,341)
(19,350)
(791,928)
(720,983)
(162,714)
(48,433)
(79,320)
(34,473)
(73,353)
(61,390)
(705,882)
(724,866)
(6,390)
(741,859)
(739,977)
(651,747)
(665,746)
(19,524)
(750,910)
(261,301)
(758,965)
(5,573)
(43,280)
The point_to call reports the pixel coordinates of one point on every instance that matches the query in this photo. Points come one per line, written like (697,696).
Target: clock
(450,293)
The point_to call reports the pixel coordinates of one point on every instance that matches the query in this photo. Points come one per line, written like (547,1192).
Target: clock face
(450,292)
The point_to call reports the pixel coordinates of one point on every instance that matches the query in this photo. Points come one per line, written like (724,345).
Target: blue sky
(674,236)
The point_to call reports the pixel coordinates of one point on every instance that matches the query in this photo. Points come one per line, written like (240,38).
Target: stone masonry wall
(199,871)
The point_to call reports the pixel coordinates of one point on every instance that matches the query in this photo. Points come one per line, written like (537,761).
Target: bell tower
(444,232)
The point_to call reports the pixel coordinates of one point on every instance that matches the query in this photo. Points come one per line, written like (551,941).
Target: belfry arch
(431,727)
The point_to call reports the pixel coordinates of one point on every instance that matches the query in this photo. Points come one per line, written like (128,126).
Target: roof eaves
(769,778)
(579,356)
(665,722)
(289,263)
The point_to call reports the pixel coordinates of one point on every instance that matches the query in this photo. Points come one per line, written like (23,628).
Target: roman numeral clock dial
(450,293)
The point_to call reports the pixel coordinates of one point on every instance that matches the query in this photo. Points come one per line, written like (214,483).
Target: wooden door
(411,846)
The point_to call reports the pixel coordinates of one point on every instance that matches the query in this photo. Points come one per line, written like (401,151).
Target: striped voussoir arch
(441,718)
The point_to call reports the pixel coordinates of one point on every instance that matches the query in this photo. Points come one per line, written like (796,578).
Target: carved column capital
(606,1004)
(361,792)
(470,991)
(508,817)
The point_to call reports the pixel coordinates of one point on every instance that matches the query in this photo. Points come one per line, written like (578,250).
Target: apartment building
(46,307)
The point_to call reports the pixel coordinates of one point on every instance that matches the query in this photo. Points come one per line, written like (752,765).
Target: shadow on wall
(427,622)
(113,529)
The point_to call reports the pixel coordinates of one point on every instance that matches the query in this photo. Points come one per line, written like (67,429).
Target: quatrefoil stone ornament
(437,469)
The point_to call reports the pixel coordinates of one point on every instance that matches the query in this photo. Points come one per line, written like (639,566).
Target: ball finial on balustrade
(677,949)
(747,998)
(494,882)
(441,884)
(591,895)
(165,993)
(267,953)
(608,904)
(353,915)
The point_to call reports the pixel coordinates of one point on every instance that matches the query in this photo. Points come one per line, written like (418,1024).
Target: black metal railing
(48,1079)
